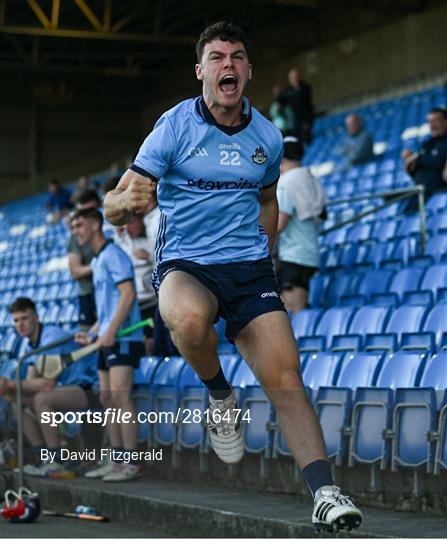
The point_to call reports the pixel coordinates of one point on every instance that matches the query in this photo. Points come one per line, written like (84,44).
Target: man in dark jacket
(427,164)
(298,96)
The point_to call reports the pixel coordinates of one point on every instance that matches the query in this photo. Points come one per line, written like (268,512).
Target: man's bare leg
(113,429)
(68,398)
(121,383)
(295,299)
(268,345)
(188,310)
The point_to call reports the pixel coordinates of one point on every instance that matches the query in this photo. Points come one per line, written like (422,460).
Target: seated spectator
(58,201)
(356,146)
(298,96)
(301,201)
(79,259)
(72,390)
(133,240)
(428,165)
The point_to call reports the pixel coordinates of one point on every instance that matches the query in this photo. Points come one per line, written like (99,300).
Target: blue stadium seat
(436,322)
(437,222)
(407,279)
(408,226)
(371,415)
(317,292)
(367,320)
(358,232)
(440,461)
(334,321)
(437,247)
(304,322)
(406,318)
(166,398)
(437,202)
(413,417)
(384,230)
(257,419)
(435,278)
(343,285)
(374,282)
(333,406)
(321,370)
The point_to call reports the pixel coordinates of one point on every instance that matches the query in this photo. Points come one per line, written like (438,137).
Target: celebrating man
(216,160)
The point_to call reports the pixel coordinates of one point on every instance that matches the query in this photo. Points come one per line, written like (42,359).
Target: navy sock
(129,453)
(318,474)
(218,386)
(118,450)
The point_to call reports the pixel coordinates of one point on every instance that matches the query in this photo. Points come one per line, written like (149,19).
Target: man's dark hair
(54,182)
(87,213)
(88,195)
(225,31)
(21,304)
(439,110)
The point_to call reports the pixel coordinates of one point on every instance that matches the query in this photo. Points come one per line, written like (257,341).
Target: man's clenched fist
(139,195)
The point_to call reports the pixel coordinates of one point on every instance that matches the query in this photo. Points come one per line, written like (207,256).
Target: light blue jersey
(83,372)
(110,267)
(210,179)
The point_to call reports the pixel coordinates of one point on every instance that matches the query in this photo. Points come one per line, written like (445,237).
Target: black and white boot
(333,511)
(225,430)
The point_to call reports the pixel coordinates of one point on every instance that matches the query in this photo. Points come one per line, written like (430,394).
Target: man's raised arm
(132,195)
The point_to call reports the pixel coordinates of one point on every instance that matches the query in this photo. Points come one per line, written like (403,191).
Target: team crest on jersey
(259,157)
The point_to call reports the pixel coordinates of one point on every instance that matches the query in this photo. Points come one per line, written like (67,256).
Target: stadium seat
(333,407)
(435,278)
(304,322)
(257,420)
(166,398)
(413,418)
(142,395)
(437,247)
(334,321)
(367,320)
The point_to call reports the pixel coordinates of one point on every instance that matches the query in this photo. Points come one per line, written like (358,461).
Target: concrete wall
(414,46)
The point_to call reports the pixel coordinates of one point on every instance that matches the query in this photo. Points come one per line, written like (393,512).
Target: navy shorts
(292,275)
(123,353)
(244,290)
(87,309)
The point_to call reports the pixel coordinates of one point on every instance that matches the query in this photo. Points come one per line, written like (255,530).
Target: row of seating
(372,327)
(411,284)
(365,402)
(402,227)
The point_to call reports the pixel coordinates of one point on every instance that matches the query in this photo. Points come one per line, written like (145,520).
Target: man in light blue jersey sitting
(214,161)
(71,391)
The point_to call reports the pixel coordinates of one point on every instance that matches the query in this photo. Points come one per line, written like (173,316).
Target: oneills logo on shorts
(270,294)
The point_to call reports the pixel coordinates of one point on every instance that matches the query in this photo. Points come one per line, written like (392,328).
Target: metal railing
(392,197)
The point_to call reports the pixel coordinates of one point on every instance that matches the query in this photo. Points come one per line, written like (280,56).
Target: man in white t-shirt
(301,201)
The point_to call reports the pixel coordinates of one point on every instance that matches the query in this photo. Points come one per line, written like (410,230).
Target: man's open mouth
(228,84)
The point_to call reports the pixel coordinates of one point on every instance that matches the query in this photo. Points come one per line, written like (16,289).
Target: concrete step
(181,509)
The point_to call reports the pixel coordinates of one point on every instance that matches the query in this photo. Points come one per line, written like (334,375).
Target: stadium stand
(373,342)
